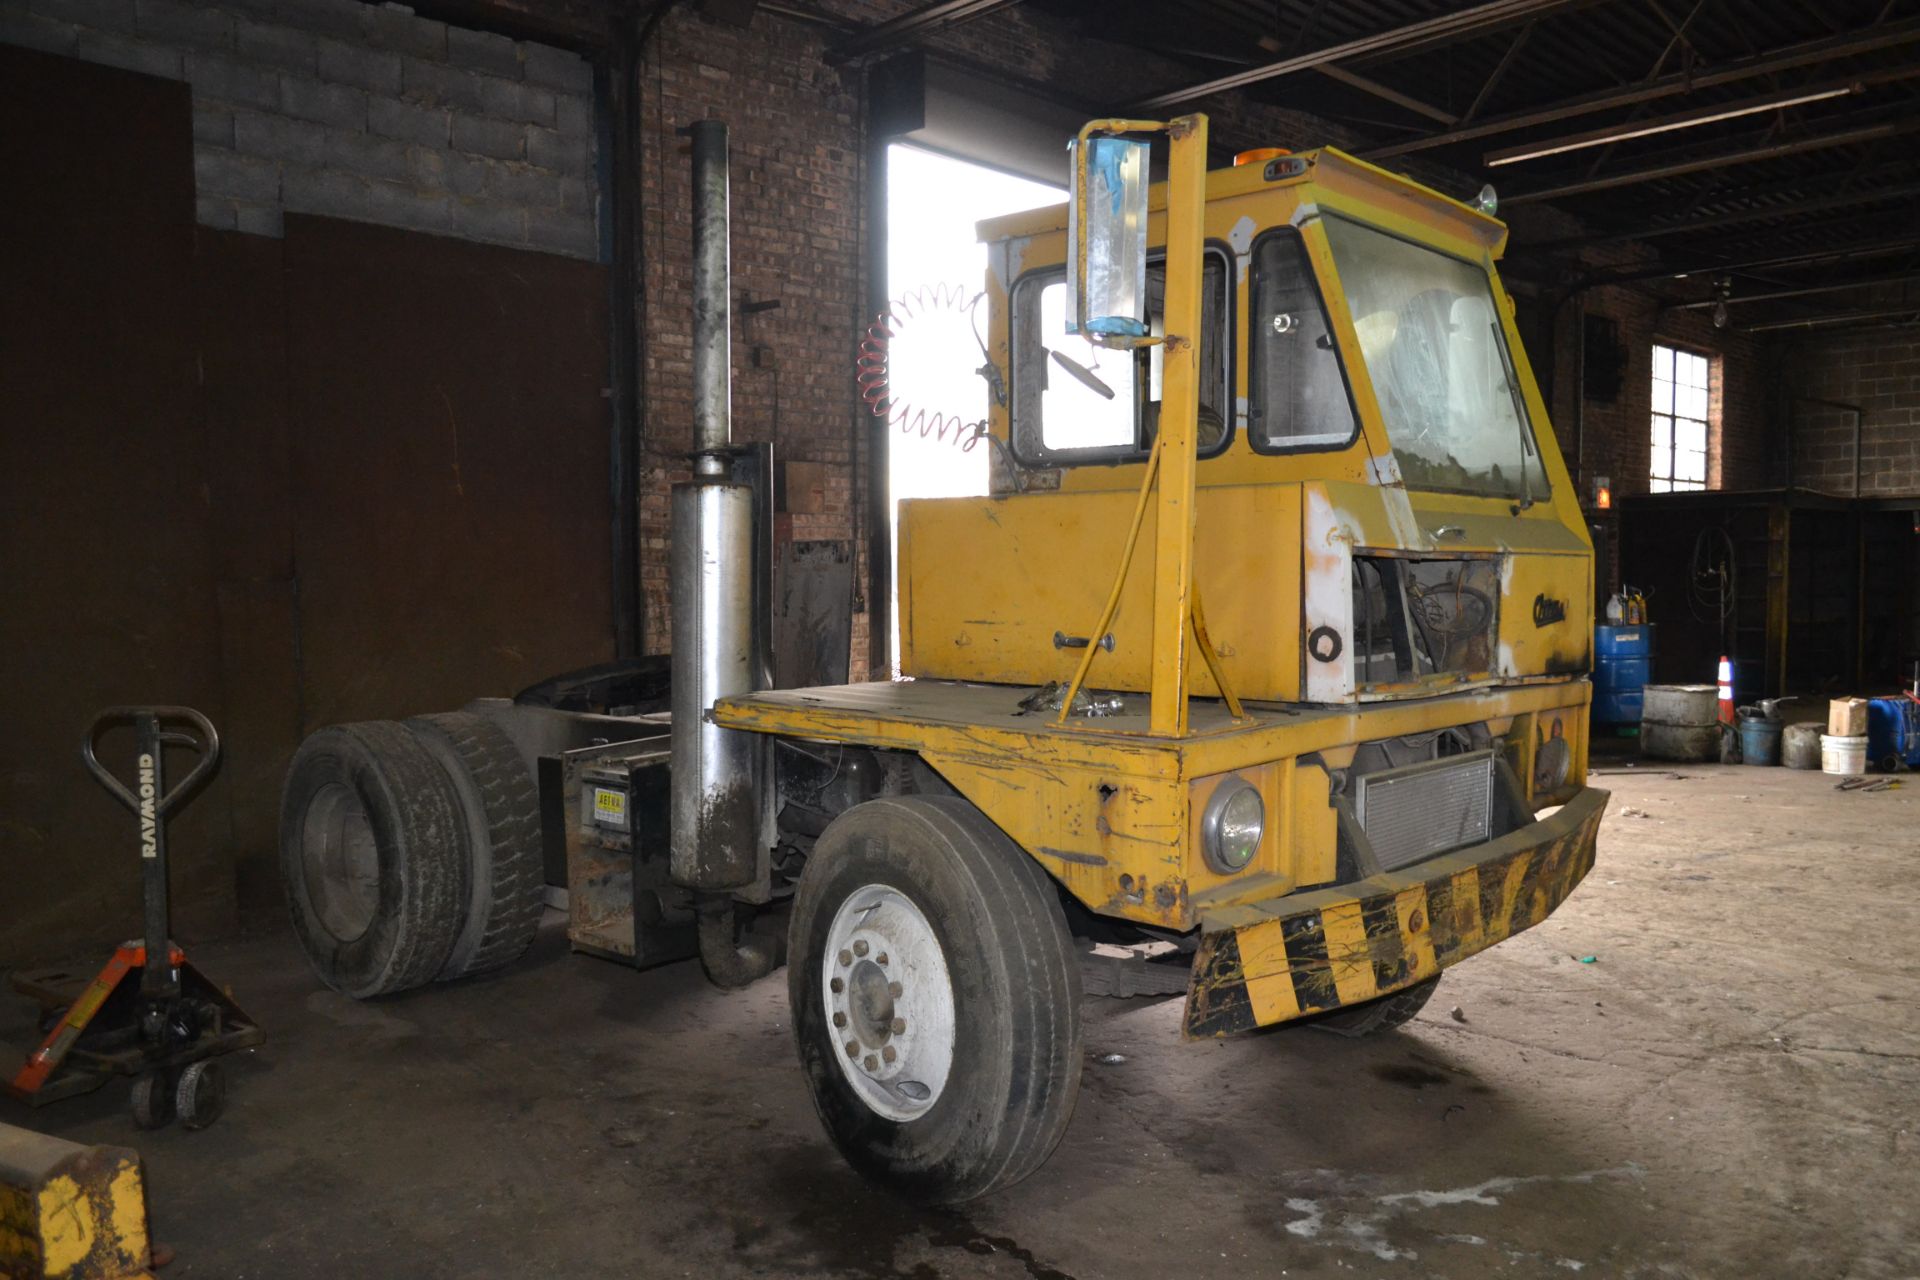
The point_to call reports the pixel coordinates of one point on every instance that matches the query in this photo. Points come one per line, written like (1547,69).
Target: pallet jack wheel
(201,1095)
(153,1100)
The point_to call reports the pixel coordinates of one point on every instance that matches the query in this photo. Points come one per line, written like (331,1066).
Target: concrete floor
(1727,1089)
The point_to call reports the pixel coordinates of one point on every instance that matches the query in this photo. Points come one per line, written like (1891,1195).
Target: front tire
(978,999)
(1380,1014)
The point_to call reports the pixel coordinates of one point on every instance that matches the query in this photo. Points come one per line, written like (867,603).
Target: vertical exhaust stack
(715,806)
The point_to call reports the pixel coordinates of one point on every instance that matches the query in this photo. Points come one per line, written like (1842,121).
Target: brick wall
(356,111)
(798,239)
(1877,370)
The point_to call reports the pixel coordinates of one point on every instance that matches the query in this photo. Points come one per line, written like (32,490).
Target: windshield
(1440,366)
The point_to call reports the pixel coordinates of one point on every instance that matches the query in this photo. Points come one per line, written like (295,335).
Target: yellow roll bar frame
(1174,460)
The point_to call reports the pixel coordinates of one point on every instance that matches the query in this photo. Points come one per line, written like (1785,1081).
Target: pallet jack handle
(150,801)
(147,722)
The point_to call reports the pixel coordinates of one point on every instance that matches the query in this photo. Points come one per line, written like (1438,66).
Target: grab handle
(149,721)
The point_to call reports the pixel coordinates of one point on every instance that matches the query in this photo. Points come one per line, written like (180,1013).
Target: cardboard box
(1847,717)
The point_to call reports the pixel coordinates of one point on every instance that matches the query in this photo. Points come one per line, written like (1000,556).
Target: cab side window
(1073,401)
(1299,388)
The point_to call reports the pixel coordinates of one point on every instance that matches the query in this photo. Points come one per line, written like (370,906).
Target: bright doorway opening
(931,343)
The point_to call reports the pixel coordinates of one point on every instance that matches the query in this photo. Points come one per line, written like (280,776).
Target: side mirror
(1107,260)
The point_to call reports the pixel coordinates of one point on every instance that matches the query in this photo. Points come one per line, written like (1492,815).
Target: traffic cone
(1726,690)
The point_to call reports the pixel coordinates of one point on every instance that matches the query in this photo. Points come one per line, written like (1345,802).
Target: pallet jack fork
(161,1023)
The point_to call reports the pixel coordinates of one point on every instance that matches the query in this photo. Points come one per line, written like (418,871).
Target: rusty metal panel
(813,614)
(242,333)
(104,526)
(450,460)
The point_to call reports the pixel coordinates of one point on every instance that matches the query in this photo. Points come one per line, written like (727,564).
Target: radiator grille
(1423,809)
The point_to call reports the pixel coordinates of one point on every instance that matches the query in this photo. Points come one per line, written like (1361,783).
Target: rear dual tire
(502,808)
(410,852)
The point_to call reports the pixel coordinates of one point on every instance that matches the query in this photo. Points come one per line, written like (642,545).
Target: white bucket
(1843,755)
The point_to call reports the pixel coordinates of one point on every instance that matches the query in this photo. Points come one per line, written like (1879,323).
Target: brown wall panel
(106,592)
(243,360)
(450,468)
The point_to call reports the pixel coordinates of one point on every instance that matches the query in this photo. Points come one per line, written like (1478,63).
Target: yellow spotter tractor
(1263,666)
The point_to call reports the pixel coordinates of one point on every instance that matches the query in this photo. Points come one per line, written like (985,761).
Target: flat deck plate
(962,705)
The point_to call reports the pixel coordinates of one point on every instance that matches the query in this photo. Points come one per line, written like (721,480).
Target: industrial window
(1300,396)
(1679,421)
(1074,402)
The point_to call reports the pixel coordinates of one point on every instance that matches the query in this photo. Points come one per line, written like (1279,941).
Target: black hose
(730,959)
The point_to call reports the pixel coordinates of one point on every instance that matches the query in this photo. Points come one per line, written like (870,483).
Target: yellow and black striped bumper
(1327,948)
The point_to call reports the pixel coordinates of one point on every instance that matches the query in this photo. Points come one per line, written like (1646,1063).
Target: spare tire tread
(508,868)
(421,839)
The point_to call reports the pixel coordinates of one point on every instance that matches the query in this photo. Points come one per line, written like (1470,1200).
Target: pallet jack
(162,1023)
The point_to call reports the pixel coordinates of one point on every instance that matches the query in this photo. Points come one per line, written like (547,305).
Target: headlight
(1230,829)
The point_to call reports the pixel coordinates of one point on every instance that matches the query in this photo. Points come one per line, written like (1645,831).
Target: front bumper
(1327,948)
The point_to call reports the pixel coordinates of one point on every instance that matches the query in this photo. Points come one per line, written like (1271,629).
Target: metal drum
(1759,739)
(1680,722)
(1893,733)
(1622,657)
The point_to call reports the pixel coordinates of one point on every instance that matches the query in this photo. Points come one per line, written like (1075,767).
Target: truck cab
(1271,639)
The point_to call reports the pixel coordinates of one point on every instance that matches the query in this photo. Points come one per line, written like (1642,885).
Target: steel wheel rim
(888,996)
(340,862)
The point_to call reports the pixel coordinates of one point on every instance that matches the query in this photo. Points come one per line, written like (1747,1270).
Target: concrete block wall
(358,111)
(1878,370)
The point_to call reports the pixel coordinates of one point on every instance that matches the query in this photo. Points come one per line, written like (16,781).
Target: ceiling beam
(1446,28)
(1737,217)
(1774,295)
(581,26)
(1841,317)
(1712,114)
(1385,94)
(1812,257)
(1882,36)
(1492,82)
(1702,163)
(913,25)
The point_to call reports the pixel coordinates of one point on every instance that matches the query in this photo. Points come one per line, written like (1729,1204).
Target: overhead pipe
(712,303)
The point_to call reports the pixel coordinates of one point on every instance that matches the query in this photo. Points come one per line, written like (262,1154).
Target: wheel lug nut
(860,948)
(882,957)
(872,1063)
(888,1053)
(894,989)
(899,1025)
(837,986)
(853,1049)
(846,957)
(839,1019)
